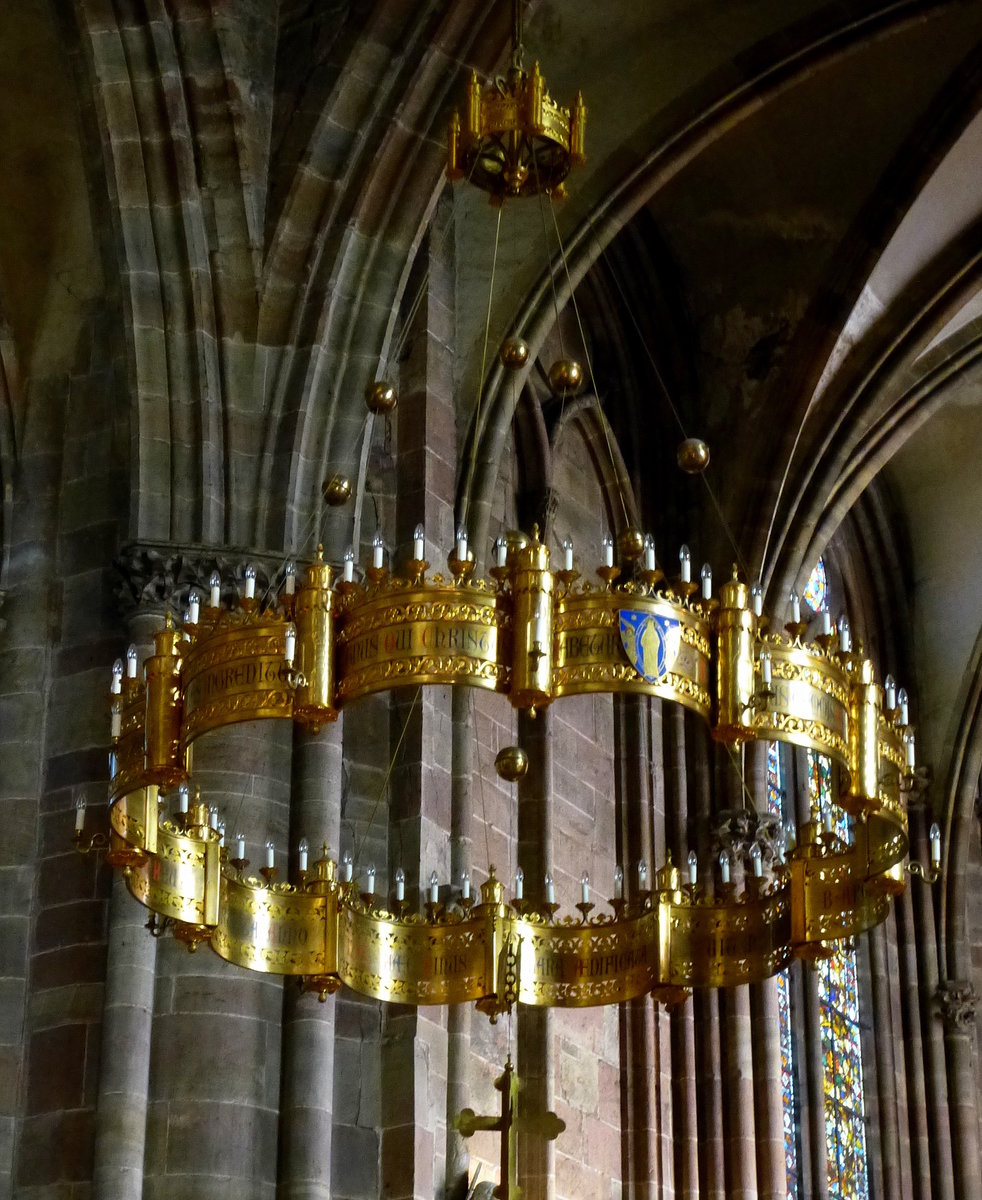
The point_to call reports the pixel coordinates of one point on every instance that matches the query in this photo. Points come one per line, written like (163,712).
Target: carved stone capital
(157,576)
(957,1003)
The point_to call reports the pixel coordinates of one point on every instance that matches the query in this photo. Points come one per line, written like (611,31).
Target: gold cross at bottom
(508,1124)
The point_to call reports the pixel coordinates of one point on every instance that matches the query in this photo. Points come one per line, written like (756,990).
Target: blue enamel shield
(651,642)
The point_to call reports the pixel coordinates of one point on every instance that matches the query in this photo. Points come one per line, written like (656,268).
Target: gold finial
(320,551)
(535,531)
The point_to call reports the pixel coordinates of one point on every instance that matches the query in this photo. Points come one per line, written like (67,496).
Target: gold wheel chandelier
(536,634)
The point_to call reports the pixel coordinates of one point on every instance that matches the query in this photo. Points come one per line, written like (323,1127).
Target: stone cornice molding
(153,577)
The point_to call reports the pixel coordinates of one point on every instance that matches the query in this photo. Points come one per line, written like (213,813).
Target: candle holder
(434,910)
(827,641)
(376,575)
(86,843)
(520,905)
(369,899)
(617,904)
(460,568)
(685,589)
(239,864)
(550,908)
(651,578)
(585,908)
(608,575)
(417,568)
(348,587)
(796,629)
(269,874)
(706,607)
(466,903)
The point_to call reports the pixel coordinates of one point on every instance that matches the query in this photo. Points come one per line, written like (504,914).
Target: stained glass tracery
(845,1126)
(775,803)
(816,593)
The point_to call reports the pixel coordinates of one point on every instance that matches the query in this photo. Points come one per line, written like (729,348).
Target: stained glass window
(775,803)
(816,593)
(845,1128)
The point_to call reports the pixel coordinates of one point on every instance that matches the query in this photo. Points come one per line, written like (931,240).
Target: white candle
(240,846)
(194,608)
(904,706)
(462,543)
(845,636)
(401,875)
(290,640)
(795,607)
(584,888)
(378,550)
(685,565)
(608,550)
(519,883)
(618,882)
(115,721)
(250,582)
(935,838)
(348,866)
(290,578)
(221,833)
(370,886)
(909,747)
(116,684)
(500,552)
(829,820)
(756,863)
(642,875)
(80,814)
(693,862)
(215,590)
(131,663)
(418,543)
(724,866)
(567,554)
(550,890)
(890,692)
(434,888)
(765,668)
(270,854)
(826,622)
(349,565)
(302,851)
(649,552)
(757,599)
(183,798)
(706,575)
(213,817)
(465,886)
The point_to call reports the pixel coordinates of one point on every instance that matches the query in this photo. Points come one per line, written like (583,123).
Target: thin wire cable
(666,393)
(738,767)
(484,353)
(589,364)
(388,773)
(480,775)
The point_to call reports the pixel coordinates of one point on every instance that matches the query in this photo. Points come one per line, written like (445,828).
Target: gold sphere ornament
(511,763)
(693,456)
(336,490)
(381,396)
(565,377)
(630,544)
(514,353)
